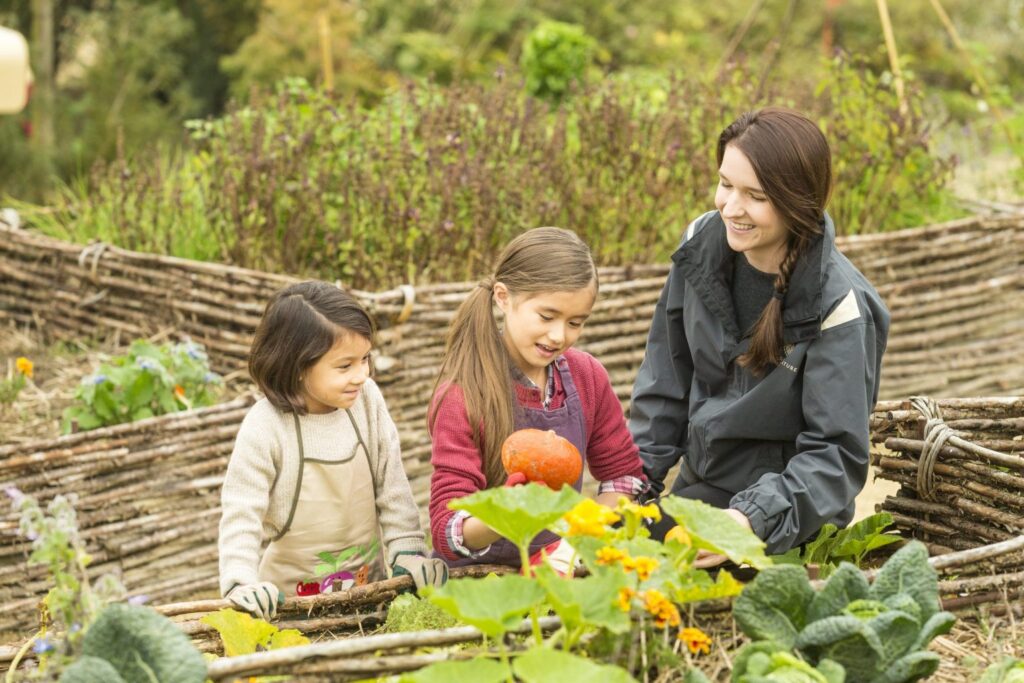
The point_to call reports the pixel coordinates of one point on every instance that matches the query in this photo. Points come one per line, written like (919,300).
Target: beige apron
(333,509)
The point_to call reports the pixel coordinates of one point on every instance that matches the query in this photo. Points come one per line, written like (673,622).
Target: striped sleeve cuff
(456,541)
(628,485)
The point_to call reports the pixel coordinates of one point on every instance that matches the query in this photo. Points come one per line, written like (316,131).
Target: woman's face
(752,224)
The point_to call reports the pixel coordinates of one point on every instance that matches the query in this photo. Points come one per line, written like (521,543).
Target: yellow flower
(664,612)
(678,533)
(589,518)
(24,366)
(644,566)
(609,555)
(625,598)
(695,639)
(628,507)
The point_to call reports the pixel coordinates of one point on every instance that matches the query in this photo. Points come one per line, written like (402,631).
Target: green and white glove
(261,600)
(425,571)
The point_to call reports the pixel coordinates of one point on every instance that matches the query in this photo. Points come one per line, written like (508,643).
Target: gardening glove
(258,599)
(425,571)
(518,479)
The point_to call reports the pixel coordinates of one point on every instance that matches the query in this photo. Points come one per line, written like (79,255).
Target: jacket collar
(706,262)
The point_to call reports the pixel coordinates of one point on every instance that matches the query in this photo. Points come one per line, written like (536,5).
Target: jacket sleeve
(396,508)
(840,384)
(658,414)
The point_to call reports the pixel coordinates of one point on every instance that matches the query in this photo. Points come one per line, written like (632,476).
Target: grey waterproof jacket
(792,446)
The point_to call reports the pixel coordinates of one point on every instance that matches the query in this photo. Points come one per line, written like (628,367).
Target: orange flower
(664,612)
(179,391)
(624,598)
(644,566)
(695,639)
(24,366)
(609,555)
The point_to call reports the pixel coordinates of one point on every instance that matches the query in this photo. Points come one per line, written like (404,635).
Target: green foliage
(431,183)
(765,662)
(1009,670)
(518,512)
(878,634)
(73,602)
(833,545)
(478,670)
(494,604)
(410,613)
(714,530)
(586,602)
(555,56)
(91,670)
(142,645)
(242,634)
(149,380)
(542,665)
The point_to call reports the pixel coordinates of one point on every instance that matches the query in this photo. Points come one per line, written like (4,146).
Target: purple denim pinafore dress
(568,422)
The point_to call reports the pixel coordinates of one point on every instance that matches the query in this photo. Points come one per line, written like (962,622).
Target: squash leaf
(715,530)
(697,584)
(243,635)
(543,665)
(478,670)
(518,512)
(774,605)
(494,604)
(587,601)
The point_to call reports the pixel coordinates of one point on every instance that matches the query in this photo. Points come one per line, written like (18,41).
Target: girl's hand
(425,571)
(261,600)
(518,479)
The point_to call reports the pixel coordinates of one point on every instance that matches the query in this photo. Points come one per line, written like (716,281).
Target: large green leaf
(543,665)
(1009,670)
(843,587)
(866,535)
(937,625)
(914,667)
(589,601)
(908,571)
(87,669)
(715,530)
(897,632)
(494,604)
(518,512)
(143,646)
(477,670)
(697,584)
(240,632)
(846,640)
(774,605)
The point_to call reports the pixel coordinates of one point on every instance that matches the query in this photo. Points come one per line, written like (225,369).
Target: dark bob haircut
(300,324)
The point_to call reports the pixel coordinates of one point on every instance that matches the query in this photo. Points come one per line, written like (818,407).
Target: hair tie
(778,295)
(485,285)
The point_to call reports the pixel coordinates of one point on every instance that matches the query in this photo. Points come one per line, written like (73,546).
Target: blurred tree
(286,44)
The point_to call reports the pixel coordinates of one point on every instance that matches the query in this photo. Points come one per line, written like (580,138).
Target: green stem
(504,658)
(9,678)
(535,620)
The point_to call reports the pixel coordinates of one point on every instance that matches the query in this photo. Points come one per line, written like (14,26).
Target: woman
(763,359)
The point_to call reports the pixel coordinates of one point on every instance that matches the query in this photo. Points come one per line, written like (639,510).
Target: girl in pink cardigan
(494,381)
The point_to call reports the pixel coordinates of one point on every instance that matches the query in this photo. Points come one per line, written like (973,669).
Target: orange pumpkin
(542,456)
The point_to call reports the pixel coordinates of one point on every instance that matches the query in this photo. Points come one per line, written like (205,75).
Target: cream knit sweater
(264,469)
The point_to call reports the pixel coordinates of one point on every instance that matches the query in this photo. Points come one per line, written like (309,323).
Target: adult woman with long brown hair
(763,359)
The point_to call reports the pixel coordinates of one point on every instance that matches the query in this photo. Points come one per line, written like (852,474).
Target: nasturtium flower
(24,366)
(665,613)
(625,598)
(650,511)
(179,391)
(609,555)
(643,566)
(695,640)
(589,518)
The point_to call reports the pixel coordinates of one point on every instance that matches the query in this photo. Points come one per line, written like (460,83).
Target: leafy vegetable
(477,670)
(242,634)
(542,665)
(764,662)
(876,633)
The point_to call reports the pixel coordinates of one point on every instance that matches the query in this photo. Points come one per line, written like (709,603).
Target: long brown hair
(792,161)
(476,360)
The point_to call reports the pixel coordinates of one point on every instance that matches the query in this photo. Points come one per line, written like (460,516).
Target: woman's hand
(707,559)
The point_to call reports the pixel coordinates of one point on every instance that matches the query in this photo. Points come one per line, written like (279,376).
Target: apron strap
(298,480)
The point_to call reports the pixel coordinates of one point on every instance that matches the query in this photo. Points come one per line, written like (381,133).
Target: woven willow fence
(960,466)
(148,492)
